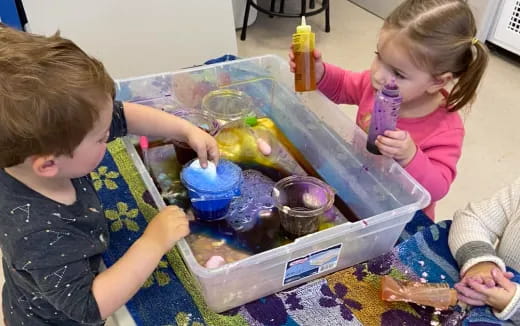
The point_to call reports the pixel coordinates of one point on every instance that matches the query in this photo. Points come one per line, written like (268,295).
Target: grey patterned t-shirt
(52,252)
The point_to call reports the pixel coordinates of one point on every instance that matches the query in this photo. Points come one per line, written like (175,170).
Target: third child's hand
(480,272)
(398,145)
(319,67)
(498,296)
(167,227)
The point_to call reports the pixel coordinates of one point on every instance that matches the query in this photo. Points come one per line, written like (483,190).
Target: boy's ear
(440,82)
(45,166)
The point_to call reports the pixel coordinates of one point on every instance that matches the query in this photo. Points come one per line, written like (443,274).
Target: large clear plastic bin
(379,192)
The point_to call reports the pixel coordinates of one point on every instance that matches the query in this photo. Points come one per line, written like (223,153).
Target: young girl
(472,239)
(424,45)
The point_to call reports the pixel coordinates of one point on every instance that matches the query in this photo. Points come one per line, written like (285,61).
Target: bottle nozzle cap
(391,88)
(392,84)
(303,27)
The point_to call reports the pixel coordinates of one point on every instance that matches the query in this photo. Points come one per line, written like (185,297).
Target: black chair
(272,12)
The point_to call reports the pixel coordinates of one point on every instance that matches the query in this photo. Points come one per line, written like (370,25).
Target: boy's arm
(475,229)
(115,286)
(147,121)
(65,275)
(73,289)
(343,86)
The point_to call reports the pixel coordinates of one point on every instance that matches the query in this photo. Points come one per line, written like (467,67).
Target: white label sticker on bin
(314,263)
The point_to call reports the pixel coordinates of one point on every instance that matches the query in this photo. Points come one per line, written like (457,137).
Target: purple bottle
(384,115)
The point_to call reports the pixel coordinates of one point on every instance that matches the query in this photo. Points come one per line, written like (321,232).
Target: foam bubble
(210,171)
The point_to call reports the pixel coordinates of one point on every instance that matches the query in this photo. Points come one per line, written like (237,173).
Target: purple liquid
(250,224)
(384,114)
(255,200)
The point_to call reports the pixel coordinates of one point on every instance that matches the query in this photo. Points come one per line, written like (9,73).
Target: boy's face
(91,150)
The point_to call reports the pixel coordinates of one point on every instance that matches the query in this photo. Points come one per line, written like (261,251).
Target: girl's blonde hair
(441,35)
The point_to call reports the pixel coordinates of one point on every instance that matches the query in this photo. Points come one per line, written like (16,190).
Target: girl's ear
(440,82)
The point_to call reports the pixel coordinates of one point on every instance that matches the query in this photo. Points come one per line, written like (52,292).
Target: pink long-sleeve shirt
(438,135)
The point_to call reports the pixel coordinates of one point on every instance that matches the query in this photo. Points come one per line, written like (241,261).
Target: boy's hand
(319,67)
(398,145)
(167,227)
(204,144)
(499,296)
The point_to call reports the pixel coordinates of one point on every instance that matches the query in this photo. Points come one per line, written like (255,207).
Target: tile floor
(489,155)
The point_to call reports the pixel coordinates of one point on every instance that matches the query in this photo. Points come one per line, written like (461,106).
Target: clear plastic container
(382,195)
(301,201)
(227,105)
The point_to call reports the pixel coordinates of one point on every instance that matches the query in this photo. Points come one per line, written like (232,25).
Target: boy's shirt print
(51,253)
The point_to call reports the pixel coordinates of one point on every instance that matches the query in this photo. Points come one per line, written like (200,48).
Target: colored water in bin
(301,201)
(200,119)
(210,194)
(319,132)
(227,105)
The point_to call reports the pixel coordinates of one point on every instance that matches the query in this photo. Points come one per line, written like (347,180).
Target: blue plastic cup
(210,199)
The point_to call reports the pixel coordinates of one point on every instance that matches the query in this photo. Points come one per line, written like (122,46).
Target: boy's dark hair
(51,93)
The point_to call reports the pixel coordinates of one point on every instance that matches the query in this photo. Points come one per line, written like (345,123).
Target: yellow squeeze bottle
(303,46)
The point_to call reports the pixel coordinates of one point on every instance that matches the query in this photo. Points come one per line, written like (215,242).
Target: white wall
(137,37)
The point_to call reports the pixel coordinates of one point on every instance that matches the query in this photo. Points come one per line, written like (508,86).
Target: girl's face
(392,60)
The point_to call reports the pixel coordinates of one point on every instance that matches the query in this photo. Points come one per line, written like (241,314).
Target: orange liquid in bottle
(303,47)
(304,76)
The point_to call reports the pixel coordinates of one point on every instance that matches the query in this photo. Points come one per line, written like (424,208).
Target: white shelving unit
(506,30)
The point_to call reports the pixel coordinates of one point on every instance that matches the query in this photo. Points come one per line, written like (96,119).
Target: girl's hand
(398,145)
(499,296)
(204,144)
(319,67)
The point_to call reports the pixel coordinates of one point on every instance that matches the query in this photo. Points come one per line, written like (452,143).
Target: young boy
(484,240)
(56,114)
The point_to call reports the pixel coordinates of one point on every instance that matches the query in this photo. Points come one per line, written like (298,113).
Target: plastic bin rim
(201,67)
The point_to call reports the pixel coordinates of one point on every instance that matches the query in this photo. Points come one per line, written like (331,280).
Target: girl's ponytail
(465,89)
